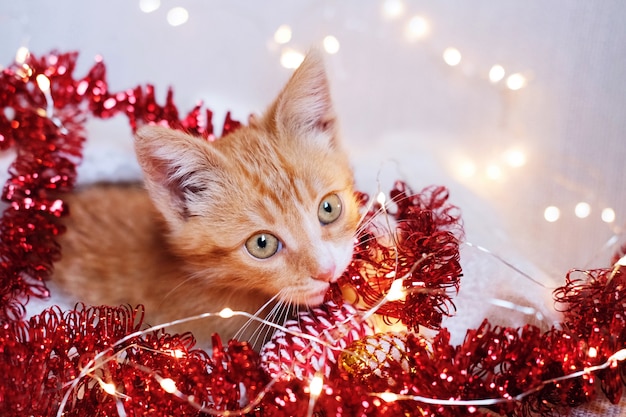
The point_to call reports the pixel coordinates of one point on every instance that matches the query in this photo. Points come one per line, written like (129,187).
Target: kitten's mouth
(317,298)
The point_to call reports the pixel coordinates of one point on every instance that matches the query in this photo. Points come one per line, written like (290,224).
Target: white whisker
(191,277)
(241,332)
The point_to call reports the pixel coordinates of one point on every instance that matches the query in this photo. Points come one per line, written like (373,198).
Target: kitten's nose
(327,274)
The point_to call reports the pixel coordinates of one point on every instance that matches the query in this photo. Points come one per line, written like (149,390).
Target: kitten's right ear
(304,106)
(177,169)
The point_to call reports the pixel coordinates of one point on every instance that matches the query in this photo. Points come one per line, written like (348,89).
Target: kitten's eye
(262,245)
(329,209)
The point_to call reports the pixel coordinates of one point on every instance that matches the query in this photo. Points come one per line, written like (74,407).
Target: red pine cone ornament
(102,360)
(312,344)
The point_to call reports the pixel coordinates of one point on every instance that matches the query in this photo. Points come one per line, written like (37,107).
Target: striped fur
(179,248)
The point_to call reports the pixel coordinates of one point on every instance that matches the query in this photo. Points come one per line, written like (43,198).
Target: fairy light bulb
(43,83)
(396,291)
(381,198)
(21,55)
(316,385)
(177,353)
(168,385)
(108,387)
(226,313)
(388,397)
(452,56)
(621,261)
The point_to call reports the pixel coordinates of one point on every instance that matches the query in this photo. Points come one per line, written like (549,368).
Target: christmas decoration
(102,360)
(297,351)
(375,355)
(424,251)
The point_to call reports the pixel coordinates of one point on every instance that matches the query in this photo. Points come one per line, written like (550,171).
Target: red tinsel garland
(99,361)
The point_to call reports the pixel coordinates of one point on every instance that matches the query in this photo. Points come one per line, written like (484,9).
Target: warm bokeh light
(582,210)
(331,44)
(291,58)
(22,55)
(452,56)
(608,215)
(149,6)
(493,172)
(282,34)
(388,397)
(316,386)
(108,387)
(177,16)
(496,73)
(417,28)
(466,169)
(393,8)
(515,158)
(552,214)
(515,81)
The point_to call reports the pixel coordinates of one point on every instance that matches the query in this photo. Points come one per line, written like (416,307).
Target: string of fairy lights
(418,28)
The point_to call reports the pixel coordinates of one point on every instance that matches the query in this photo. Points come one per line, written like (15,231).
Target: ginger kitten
(265,212)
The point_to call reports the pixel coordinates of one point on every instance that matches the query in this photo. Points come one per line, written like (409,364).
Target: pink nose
(326,274)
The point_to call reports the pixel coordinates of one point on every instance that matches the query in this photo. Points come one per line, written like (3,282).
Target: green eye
(262,245)
(329,209)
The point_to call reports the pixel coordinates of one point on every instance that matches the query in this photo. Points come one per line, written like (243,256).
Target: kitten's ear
(304,105)
(177,168)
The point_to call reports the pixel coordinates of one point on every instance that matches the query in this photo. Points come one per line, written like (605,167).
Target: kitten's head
(268,208)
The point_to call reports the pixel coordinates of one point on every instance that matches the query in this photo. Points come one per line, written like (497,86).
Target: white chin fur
(312,296)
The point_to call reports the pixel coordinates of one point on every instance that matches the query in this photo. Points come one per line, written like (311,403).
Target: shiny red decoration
(100,361)
(423,249)
(289,354)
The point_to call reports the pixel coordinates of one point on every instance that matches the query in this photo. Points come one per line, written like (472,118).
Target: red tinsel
(99,361)
(424,249)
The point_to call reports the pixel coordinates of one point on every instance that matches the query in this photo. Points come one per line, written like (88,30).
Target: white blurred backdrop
(553,147)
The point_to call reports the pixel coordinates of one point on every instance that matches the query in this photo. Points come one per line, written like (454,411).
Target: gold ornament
(373,355)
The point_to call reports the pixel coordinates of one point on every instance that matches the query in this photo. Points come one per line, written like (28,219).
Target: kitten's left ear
(304,105)
(177,168)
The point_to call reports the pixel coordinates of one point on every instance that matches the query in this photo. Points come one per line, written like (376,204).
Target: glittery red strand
(424,249)
(49,146)
(42,358)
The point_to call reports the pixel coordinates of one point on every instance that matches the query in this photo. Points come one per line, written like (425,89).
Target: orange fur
(179,248)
